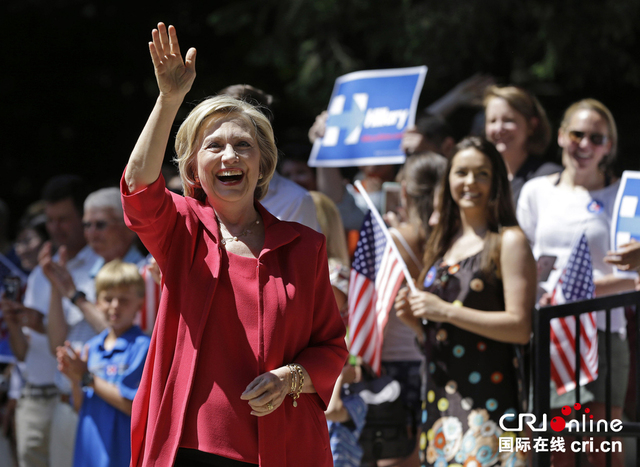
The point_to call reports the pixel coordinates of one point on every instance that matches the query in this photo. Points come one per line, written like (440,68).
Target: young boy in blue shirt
(109,370)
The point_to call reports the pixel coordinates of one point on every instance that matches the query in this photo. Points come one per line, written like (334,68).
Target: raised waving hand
(174,75)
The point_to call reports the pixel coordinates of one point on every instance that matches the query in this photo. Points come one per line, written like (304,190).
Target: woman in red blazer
(247,316)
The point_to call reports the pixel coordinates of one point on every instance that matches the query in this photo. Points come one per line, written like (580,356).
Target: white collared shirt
(288,201)
(38,293)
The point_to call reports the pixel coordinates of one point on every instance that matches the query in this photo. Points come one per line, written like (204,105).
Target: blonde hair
(331,226)
(116,274)
(529,106)
(211,110)
(605,113)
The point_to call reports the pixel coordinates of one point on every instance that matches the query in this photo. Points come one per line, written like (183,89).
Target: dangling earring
(260,177)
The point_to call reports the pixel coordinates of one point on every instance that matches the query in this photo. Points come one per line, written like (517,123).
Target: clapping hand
(57,272)
(174,75)
(71,363)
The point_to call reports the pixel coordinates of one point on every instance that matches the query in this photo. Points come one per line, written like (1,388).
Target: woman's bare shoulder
(513,237)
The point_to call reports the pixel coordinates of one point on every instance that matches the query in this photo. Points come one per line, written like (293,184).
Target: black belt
(40,392)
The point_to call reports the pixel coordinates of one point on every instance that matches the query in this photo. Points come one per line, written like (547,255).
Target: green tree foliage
(306,44)
(78,84)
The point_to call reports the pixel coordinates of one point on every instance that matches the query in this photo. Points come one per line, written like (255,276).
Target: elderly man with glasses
(108,236)
(44,398)
(72,313)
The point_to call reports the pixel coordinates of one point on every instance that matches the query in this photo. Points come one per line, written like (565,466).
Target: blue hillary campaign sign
(368,112)
(625,226)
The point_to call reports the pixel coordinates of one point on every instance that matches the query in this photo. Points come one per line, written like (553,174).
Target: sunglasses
(597,139)
(99,225)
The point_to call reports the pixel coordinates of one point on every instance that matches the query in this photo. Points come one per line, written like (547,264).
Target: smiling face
(585,141)
(505,127)
(470,179)
(228,161)
(120,306)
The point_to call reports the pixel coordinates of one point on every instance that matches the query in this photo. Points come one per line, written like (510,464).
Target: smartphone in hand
(12,288)
(391,197)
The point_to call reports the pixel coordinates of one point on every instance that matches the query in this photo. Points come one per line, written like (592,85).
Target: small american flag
(376,277)
(575,283)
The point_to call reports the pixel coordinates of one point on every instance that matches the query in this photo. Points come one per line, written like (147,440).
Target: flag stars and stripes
(575,283)
(376,276)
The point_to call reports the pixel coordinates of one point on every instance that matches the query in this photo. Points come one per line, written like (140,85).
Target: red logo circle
(557,424)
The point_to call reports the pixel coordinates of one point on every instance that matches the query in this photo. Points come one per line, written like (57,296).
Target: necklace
(234,238)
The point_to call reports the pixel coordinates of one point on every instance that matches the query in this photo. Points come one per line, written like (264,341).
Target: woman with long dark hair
(477,304)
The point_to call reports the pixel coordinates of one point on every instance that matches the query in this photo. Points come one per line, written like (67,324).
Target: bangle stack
(297,382)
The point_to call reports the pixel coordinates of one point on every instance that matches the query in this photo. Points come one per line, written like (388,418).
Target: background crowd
(456,214)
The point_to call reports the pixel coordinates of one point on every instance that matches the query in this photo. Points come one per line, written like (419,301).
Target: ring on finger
(269,406)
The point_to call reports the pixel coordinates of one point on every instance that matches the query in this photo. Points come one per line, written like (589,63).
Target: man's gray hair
(105,198)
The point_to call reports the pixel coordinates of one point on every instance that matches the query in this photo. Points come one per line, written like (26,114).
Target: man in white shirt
(288,201)
(73,315)
(44,405)
(35,391)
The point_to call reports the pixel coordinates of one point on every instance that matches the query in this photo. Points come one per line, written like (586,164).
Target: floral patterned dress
(471,380)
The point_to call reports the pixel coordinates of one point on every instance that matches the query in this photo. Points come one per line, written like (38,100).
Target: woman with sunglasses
(517,124)
(556,210)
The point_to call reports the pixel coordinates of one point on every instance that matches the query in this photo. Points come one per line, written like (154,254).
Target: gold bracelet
(299,384)
(292,369)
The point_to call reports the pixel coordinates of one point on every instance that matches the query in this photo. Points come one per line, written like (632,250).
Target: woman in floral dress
(476,305)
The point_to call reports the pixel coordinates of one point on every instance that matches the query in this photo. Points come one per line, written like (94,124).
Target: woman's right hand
(174,75)
(405,313)
(267,391)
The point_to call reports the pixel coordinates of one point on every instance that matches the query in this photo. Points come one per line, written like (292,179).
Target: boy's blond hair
(116,274)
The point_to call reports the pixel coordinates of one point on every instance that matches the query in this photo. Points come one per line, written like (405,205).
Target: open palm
(174,75)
